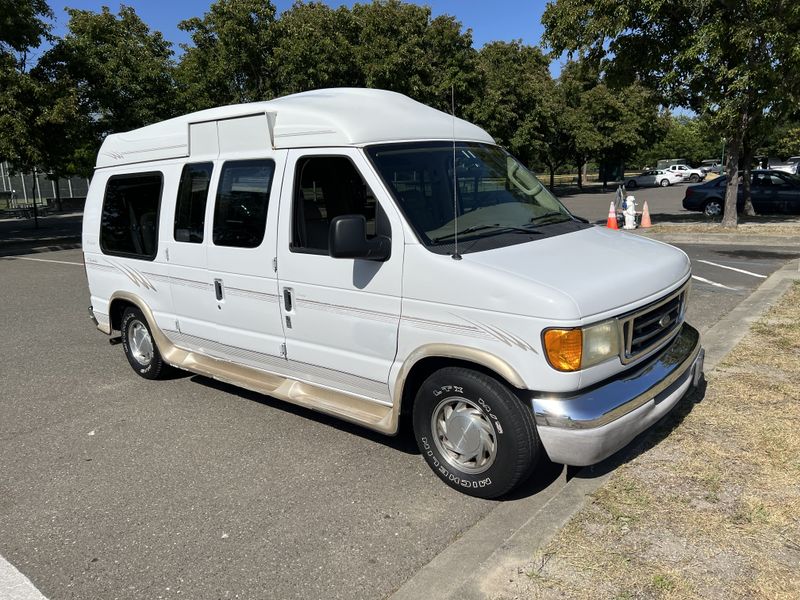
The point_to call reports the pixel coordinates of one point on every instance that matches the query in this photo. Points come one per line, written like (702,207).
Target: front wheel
(474,433)
(632,183)
(664,182)
(694,178)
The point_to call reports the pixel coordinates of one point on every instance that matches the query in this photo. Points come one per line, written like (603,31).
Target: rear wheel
(664,182)
(474,433)
(713,208)
(632,183)
(140,349)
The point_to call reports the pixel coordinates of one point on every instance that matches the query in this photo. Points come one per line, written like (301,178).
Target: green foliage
(732,62)
(23,25)
(111,74)
(513,105)
(231,56)
(684,137)
(315,48)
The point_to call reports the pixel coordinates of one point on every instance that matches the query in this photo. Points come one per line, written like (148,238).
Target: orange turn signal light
(564,348)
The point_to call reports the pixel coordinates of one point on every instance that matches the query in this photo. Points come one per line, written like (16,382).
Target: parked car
(791,166)
(654,177)
(687,173)
(711,165)
(364,255)
(772,192)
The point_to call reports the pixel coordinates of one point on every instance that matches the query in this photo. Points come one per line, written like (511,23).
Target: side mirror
(347,238)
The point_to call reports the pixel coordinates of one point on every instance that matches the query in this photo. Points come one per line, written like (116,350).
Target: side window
(240,213)
(327,187)
(129,222)
(190,210)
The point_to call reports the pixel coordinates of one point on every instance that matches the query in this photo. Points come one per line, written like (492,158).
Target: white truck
(688,173)
(361,254)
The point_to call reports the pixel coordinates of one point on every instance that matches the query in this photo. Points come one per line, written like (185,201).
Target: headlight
(579,348)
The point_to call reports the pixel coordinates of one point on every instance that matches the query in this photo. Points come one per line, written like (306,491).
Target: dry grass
(744,229)
(712,510)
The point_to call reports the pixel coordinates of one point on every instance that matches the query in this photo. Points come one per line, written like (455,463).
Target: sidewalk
(58,231)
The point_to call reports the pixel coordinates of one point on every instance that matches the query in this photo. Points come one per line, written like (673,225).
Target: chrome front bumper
(584,428)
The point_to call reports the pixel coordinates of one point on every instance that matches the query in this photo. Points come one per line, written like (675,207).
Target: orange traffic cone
(612,217)
(645,217)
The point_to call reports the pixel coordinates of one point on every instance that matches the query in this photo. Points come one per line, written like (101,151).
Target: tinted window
(240,213)
(327,187)
(129,223)
(190,210)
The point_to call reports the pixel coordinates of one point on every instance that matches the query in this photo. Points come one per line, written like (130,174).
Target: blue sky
(488,19)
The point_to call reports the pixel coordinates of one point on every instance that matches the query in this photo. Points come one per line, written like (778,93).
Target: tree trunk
(747,159)
(552,176)
(58,195)
(730,216)
(35,209)
(580,174)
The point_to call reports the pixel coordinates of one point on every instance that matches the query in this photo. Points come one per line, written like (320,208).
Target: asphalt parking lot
(118,487)
(664,203)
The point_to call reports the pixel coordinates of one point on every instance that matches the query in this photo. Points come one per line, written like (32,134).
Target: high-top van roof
(319,118)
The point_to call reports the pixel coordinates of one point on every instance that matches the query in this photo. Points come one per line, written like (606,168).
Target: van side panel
(108,274)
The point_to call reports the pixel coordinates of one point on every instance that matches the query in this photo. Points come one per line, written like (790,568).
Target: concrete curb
(511,534)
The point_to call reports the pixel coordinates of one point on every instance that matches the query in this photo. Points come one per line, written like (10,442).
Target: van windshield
(495,195)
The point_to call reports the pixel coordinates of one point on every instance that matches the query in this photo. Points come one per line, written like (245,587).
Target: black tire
(147,362)
(713,208)
(664,183)
(694,178)
(488,419)
(632,184)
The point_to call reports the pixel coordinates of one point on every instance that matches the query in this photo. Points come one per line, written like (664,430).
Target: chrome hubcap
(464,435)
(713,209)
(140,343)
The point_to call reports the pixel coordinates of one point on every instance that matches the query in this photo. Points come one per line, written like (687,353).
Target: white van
(361,254)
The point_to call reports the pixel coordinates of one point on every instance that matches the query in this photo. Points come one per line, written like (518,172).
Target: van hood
(599,269)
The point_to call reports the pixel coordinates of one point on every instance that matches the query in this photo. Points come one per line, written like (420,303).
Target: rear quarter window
(129,221)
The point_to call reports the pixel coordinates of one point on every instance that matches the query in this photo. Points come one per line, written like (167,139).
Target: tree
(684,137)
(23,26)
(728,61)
(399,47)
(512,105)
(113,74)
(315,48)
(231,56)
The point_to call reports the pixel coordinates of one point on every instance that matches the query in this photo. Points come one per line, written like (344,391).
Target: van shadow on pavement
(404,441)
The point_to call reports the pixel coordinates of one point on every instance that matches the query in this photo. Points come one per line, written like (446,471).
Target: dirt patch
(712,509)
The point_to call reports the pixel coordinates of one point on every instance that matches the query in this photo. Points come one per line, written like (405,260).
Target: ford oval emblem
(664,321)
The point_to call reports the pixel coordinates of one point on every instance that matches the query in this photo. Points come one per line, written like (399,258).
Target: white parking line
(713,264)
(61,262)
(714,283)
(14,585)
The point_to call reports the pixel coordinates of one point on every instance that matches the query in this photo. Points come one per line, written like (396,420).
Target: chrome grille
(651,326)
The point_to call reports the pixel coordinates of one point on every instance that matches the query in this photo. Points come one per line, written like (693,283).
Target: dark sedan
(773,192)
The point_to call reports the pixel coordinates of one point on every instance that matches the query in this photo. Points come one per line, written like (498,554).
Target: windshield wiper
(498,228)
(548,215)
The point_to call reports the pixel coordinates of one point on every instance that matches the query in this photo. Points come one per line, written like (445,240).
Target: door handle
(287,299)
(218,288)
